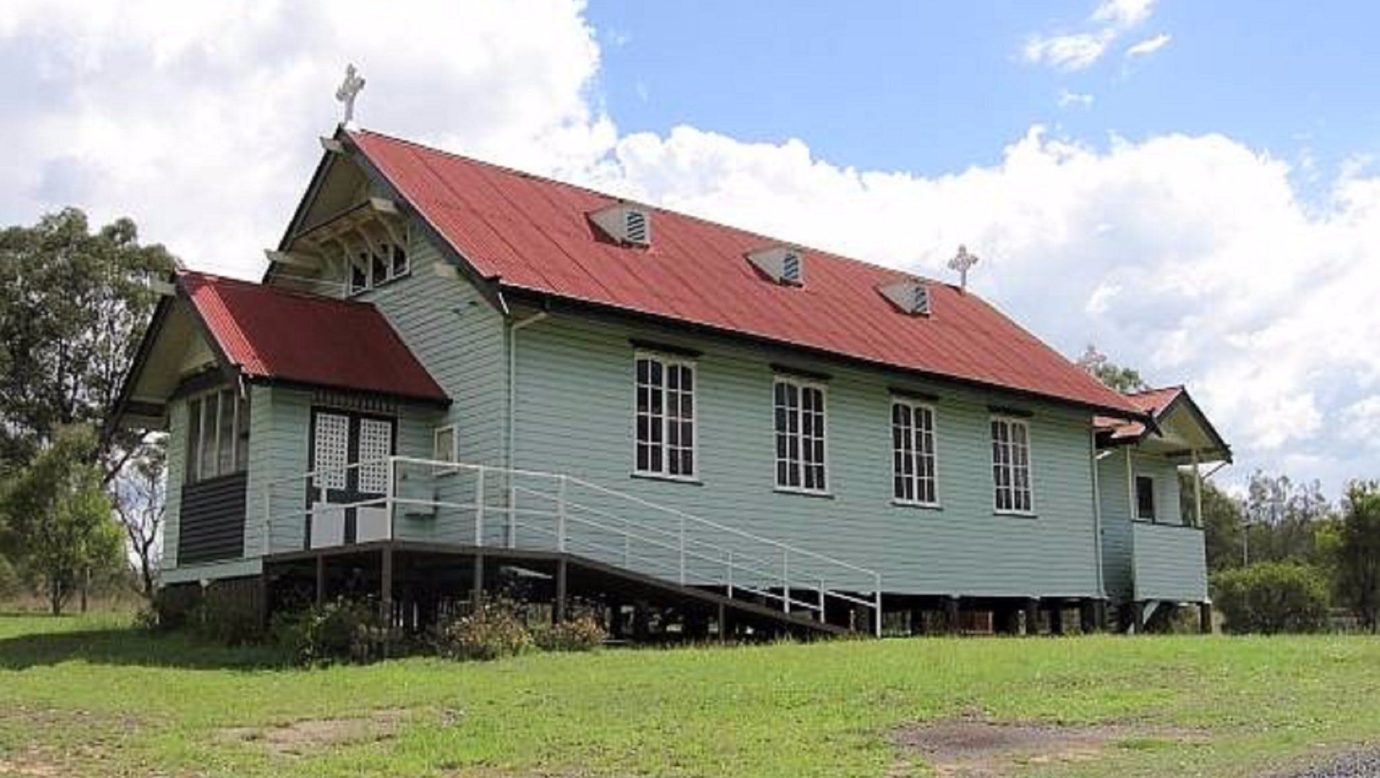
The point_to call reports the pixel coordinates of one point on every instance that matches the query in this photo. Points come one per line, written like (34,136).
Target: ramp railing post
(786,579)
(388,495)
(560,514)
(877,606)
(479,506)
(730,574)
(682,550)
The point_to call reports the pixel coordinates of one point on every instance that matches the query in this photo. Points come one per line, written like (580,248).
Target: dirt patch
(305,736)
(32,762)
(978,748)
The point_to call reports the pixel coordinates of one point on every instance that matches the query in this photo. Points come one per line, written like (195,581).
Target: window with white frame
(912,453)
(217,435)
(800,443)
(1011,465)
(443,447)
(665,410)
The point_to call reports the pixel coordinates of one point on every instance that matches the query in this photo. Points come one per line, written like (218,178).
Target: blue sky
(1191,186)
(935,87)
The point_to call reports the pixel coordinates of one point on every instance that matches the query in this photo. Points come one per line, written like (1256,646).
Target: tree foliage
(60,517)
(72,306)
(1357,552)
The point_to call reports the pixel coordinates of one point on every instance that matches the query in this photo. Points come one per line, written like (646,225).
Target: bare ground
(973,747)
(304,736)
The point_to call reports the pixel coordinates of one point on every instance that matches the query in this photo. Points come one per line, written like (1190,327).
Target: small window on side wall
(443,447)
(1145,498)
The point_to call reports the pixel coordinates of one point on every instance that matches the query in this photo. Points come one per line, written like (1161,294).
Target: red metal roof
(272,333)
(534,234)
(1150,401)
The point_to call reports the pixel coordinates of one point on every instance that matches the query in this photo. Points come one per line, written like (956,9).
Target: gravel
(1359,764)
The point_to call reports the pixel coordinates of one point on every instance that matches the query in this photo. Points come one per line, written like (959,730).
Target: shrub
(493,630)
(1272,597)
(584,632)
(343,630)
(174,607)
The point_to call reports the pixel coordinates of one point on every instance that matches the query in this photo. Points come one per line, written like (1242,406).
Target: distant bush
(583,632)
(493,630)
(1272,597)
(339,631)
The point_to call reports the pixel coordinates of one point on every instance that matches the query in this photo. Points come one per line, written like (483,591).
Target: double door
(347,491)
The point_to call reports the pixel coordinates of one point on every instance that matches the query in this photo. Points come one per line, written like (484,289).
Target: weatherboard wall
(460,339)
(575,414)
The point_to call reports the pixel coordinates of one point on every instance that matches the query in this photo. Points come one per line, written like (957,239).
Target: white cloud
(1123,13)
(1190,257)
(1149,45)
(1067,52)
(1067,98)
(1080,50)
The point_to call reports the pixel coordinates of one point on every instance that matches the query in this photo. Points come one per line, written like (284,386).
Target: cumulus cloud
(200,119)
(1079,50)
(1189,257)
(1149,45)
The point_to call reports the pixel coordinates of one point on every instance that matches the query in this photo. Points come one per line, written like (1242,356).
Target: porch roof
(269,333)
(1183,425)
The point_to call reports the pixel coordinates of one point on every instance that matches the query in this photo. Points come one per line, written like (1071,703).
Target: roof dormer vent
(783,264)
(911,295)
(626,223)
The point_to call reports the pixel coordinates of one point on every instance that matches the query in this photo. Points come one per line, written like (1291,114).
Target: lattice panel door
(331,447)
(375,443)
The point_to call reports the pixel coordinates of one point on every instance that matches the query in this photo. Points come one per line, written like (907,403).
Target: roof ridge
(768,239)
(318,298)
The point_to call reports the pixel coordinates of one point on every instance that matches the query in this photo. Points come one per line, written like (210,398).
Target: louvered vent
(790,268)
(625,223)
(782,264)
(912,296)
(635,226)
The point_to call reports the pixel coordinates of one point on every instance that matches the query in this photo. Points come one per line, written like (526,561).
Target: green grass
(93,696)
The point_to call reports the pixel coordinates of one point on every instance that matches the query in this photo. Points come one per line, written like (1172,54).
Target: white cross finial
(961,262)
(347,92)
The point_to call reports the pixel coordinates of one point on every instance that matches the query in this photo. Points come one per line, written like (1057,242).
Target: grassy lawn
(93,696)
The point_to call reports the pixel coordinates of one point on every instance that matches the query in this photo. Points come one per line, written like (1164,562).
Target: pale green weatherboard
(575,400)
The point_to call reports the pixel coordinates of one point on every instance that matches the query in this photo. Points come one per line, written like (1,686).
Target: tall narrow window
(1145,498)
(194,440)
(1011,465)
(800,430)
(665,406)
(912,453)
(217,435)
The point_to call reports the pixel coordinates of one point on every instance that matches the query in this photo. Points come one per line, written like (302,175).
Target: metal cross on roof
(961,262)
(347,92)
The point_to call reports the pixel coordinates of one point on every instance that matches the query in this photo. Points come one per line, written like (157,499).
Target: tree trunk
(85,585)
(55,595)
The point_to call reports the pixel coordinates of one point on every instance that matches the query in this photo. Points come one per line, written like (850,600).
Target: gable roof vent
(626,223)
(911,296)
(783,264)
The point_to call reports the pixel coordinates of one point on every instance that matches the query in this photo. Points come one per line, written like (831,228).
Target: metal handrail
(679,554)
